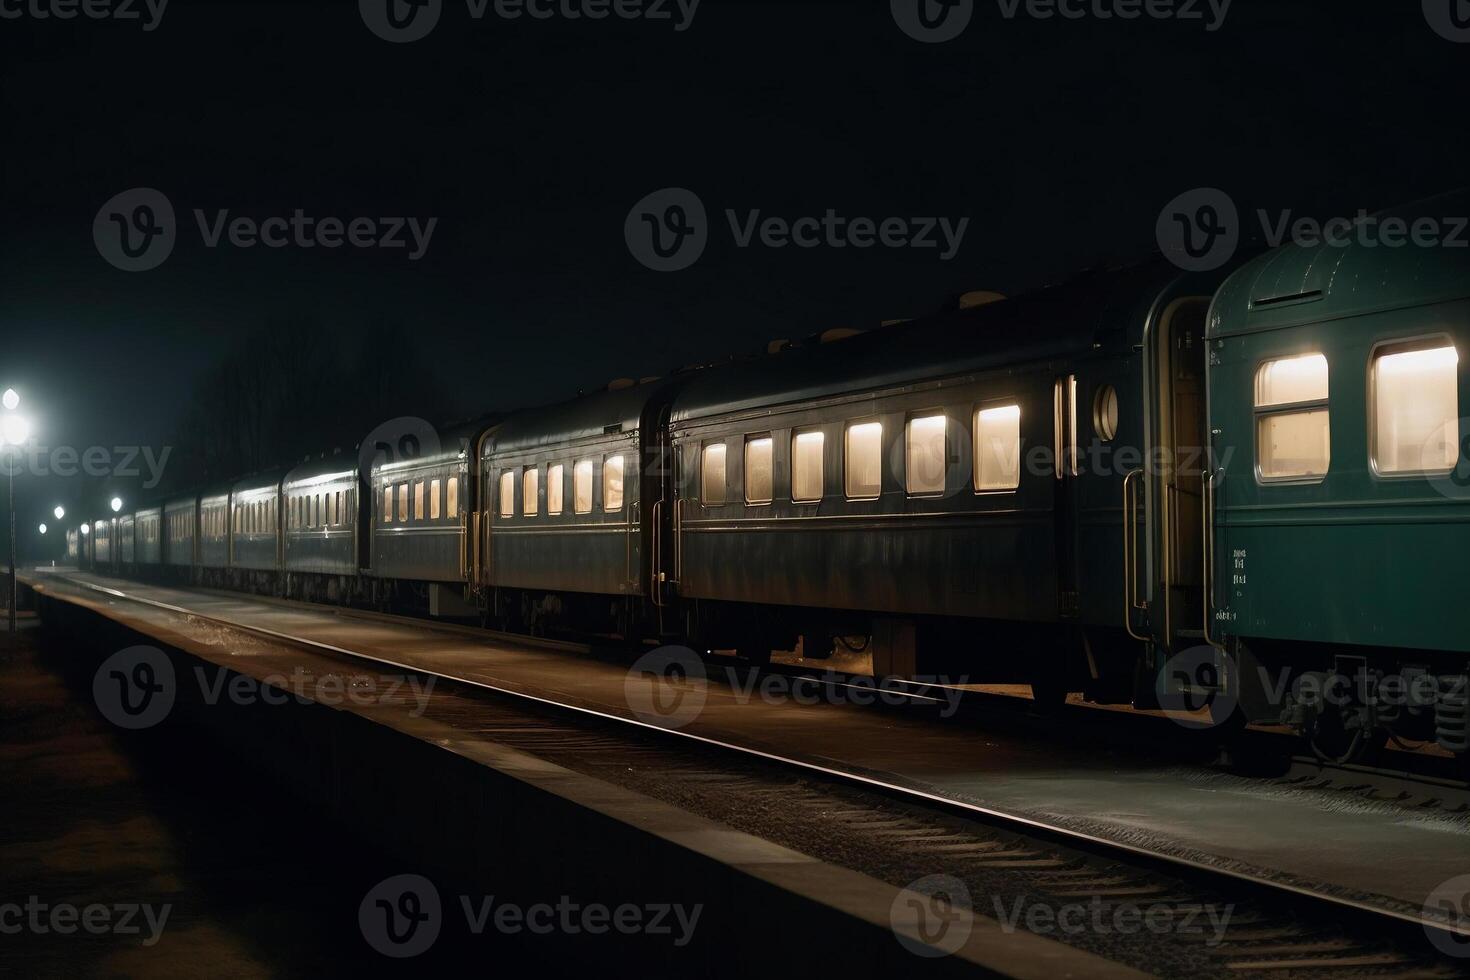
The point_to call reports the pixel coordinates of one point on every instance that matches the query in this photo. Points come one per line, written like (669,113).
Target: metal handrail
(656,573)
(1130,556)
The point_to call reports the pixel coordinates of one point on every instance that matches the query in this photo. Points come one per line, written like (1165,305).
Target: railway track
(1009,865)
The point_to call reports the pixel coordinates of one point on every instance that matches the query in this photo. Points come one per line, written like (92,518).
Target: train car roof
(1098,311)
(1295,284)
(458,439)
(322,470)
(580,418)
(264,480)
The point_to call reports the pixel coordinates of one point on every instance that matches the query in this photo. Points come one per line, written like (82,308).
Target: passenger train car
(1137,483)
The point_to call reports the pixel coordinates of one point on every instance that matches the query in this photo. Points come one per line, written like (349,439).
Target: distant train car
(73,546)
(149,540)
(181,532)
(571,494)
(126,525)
(104,550)
(1341,508)
(324,547)
(213,550)
(255,532)
(420,517)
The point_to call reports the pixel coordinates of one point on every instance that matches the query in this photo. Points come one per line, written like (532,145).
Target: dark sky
(529,141)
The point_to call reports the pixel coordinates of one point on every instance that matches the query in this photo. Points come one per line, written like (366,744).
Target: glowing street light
(14,429)
(43,529)
(60,512)
(86,530)
(116,504)
(10,399)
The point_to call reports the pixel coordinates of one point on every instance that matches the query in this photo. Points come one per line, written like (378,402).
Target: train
(1141,484)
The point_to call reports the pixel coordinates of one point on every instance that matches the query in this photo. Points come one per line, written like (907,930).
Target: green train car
(1335,513)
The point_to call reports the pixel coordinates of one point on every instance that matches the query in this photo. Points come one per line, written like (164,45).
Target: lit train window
(612,484)
(434,486)
(806,466)
(331,517)
(759,480)
(713,478)
(387,503)
(1105,413)
(582,486)
(998,448)
(418,500)
(555,488)
(864,460)
(1293,426)
(508,493)
(1416,408)
(530,491)
(451,498)
(924,456)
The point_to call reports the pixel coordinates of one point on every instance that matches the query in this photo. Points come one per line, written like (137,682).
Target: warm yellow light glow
(926,454)
(1416,411)
(806,466)
(1001,413)
(1292,379)
(1420,361)
(998,448)
(14,430)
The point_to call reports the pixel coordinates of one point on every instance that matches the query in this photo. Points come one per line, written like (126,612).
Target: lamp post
(14,429)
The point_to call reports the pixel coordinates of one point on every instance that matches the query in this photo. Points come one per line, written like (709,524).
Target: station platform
(421,772)
(1323,841)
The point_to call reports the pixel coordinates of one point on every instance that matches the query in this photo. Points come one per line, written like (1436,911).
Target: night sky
(530,140)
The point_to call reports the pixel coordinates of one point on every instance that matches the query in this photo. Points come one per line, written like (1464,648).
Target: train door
(1175,474)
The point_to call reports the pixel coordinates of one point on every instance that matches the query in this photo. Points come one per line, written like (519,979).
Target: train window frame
(706,499)
(756,439)
(436,490)
(451,498)
(908,453)
(584,468)
(403,502)
(797,435)
(530,491)
(1409,345)
(1107,412)
(977,457)
(388,503)
(607,497)
(506,494)
(1260,414)
(556,489)
(847,468)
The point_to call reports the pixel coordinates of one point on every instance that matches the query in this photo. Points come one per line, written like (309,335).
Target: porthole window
(1105,413)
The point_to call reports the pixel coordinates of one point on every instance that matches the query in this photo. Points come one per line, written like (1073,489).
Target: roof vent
(618,384)
(979,297)
(837,333)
